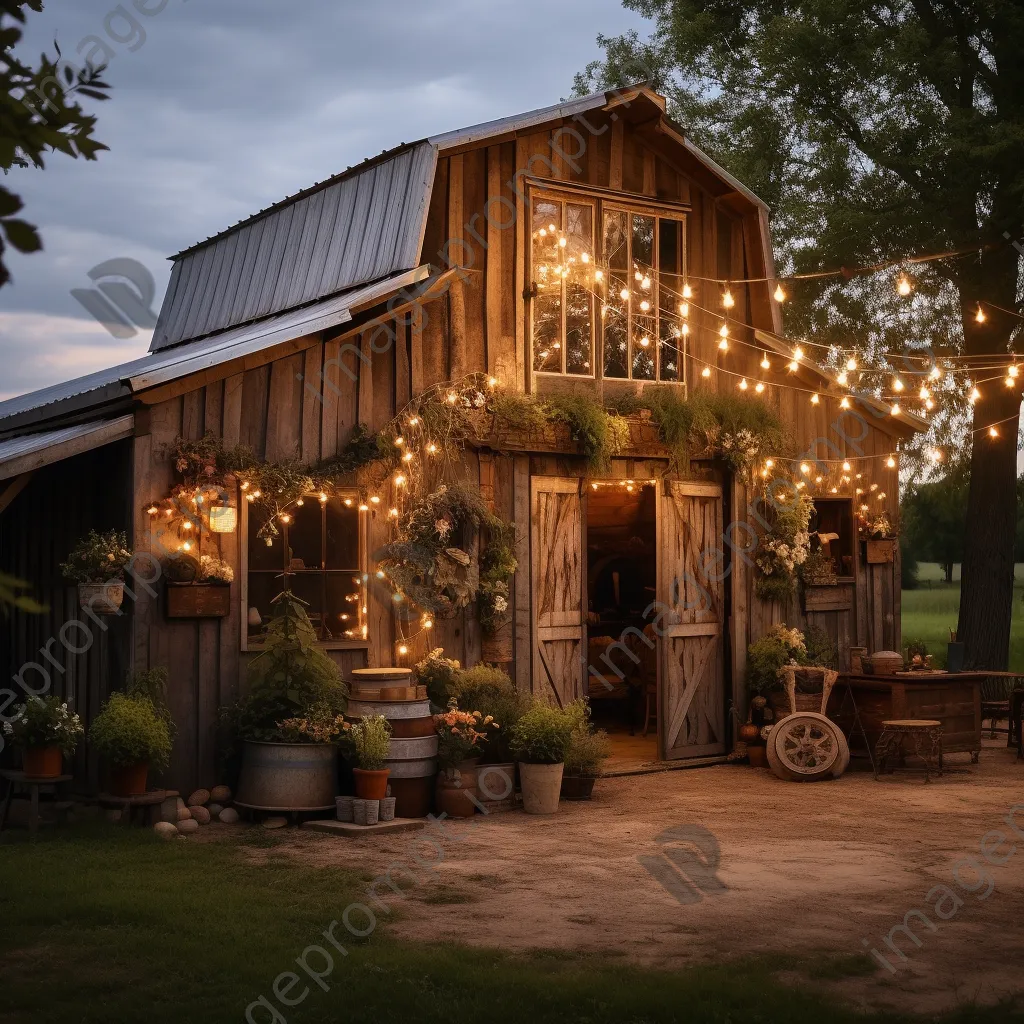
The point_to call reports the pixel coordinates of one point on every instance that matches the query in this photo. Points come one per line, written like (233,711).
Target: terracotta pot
(757,754)
(129,780)
(455,793)
(371,785)
(541,784)
(42,762)
(578,787)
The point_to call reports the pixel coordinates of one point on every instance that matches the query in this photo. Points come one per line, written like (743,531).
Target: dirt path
(804,870)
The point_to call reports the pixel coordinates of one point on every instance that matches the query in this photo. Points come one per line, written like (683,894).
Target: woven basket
(497,649)
(886,662)
(779,701)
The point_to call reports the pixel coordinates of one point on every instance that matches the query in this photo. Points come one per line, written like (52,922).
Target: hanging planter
(101,598)
(97,565)
(198,600)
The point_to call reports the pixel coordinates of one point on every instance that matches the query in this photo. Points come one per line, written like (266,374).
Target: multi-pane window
(563,265)
(317,552)
(614,308)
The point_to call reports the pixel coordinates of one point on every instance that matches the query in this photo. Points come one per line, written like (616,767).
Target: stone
(275,823)
(179,803)
(169,810)
(184,814)
(165,830)
(220,794)
(229,816)
(214,809)
(189,825)
(201,814)
(200,798)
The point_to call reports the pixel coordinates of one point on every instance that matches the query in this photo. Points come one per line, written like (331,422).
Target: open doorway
(622,675)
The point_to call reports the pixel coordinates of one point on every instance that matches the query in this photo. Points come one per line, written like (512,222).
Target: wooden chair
(995,700)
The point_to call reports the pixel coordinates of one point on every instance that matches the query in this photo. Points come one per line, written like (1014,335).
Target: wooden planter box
(835,597)
(198,600)
(881,551)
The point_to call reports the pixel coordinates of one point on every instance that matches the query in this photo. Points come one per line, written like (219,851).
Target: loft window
(832,532)
(610,309)
(319,553)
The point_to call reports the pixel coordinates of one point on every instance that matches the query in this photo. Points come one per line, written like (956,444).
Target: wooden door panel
(692,681)
(556,543)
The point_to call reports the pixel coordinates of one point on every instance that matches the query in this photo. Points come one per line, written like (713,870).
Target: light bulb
(974,396)
(706,372)
(981,318)
(563,242)
(924,393)
(798,353)
(895,410)
(687,292)
(645,283)
(992,432)
(743,384)
(598,275)
(727,300)
(364,507)
(780,295)
(584,257)
(805,469)
(793,366)
(187,546)
(903,285)
(399,479)
(399,441)
(452,398)
(402,649)
(1012,371)
(843,380)
(684,330)
(897,384)
(684,309)
(765,363)
(759,387)
(723,331)
(851,364)
(414,421)
(432,448)
(644,306)
(492,382)
(936,455)
(152,510)
(891,462)
(815,399)
(934,373)
(408,457)
(724,345)
(375,500)
(285,518)
(645,341)
(845,403)
(624,294)
(323,498)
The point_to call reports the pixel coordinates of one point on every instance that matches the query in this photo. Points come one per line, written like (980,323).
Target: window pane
(643,242)
(670,284)
(305,538)
(263,588)
(261,554)
(345,601)
(342,535)
(547,305)
(616,252)
(616,325)
(308,587)
(579,300)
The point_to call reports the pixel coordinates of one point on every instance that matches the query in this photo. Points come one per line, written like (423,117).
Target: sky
(222,107)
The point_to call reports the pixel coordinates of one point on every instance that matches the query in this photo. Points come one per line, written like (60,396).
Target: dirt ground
(809,870)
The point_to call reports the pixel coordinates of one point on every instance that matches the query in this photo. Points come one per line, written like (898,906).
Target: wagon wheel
(807,747)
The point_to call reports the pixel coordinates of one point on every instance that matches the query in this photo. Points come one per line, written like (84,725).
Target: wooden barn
(421,266)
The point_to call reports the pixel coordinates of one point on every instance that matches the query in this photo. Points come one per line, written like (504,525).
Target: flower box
(828,598)
(881,551)
(198,600)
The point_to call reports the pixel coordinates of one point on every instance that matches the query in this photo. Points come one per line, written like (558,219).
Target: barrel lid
(379,675)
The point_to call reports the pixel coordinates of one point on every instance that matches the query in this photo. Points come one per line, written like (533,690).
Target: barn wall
(90,657)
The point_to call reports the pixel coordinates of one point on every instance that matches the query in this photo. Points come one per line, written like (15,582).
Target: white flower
(500,604)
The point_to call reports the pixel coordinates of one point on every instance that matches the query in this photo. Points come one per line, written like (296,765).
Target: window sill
(323,645)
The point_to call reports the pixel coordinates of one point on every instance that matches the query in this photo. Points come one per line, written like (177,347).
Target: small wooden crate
(835,598)
(198,600)
(881,551)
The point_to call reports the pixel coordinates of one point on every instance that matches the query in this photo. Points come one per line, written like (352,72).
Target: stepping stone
(350,830)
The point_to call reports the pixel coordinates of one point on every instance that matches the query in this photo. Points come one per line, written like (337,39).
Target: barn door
(692,708)
(556,545)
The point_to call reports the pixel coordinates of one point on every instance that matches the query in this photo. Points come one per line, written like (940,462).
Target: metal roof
(23,454)
(160,367)
(359,228)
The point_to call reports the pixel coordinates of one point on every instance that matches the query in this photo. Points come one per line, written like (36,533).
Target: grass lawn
(106,924)
(931,611)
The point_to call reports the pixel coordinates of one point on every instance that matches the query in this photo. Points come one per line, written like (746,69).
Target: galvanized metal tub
(288,777)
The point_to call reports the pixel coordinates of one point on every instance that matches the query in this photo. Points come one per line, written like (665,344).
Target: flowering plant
(214,570)
(44,722)
(765,657)
(98,558)
(436,673)
(319,725)
(784,546)
(460,735)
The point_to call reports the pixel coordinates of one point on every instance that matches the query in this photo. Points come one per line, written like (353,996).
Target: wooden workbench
(954,698)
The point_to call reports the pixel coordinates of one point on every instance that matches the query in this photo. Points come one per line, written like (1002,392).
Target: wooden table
(16,779)
(953,698)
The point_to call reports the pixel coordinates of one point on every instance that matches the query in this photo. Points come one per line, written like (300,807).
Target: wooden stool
(146,805)
(926,734)
(17,779)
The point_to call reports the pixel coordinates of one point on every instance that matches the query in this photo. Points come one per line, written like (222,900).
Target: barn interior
(622,674)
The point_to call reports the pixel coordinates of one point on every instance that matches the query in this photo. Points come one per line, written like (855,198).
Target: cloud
(228,106)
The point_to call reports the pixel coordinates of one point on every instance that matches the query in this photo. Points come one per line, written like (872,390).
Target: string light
(974,396)
(980,315)
(815,399)
(743,384)
(399,441)
(399,480)
(780,295)
(844,403)
(706,372)
(851,364)
(903,285)
(897,384)
(843,380)
(895,410)
(759,387)
(765,362)
(687,292)
(992,432)
(727,300)
(846,467)
(891,462)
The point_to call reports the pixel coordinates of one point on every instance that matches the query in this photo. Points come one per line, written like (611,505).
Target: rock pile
(201,808)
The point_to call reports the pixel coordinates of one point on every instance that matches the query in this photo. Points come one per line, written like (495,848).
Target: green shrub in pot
(542,734)
(371,738)
(491,692)
(129,730)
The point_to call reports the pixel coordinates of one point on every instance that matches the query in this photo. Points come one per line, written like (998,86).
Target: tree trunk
(947,568)
(986,573)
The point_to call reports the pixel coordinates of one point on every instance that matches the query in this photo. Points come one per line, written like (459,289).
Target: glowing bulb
(706,372)
(895,410)
(687,292)
(286,519)
(851,364)
(903,286)
(992,432)
(727,300)
(584,257)
(684,309)
(793,366)
(929,404)
(684,330)
(645,341)
(551,228)
(723,331)
(645,283)
(186,525)
(492,382)
(399,441)
(644,306)
(638,276)
(843,379)
(798,353)
(934,373)
(624,294)
(399,479)
(805,469)
(815,399)
(152,510)
(770,463)
(724,345)
(408,457)
(846,467)
(598,275)
(897,384)
(743,384)
(974,396)
(563,242)
(765,362)
(432,448)
(891,462)
(924,393)
(981,318)
(845,403)
(375,500)
(414,421)
(428,623)
(452,398)
(300,503)
(936,455)
(1012,371)
(187,546)
(780,295)
(402,649)
(245,485)
(364,507)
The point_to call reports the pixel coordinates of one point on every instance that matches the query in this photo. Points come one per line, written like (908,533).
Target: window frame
(602,201)
(248,643)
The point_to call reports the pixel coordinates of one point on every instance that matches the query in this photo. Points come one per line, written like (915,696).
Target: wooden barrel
(412,757)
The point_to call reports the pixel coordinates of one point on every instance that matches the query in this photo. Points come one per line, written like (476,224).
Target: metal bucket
(288,777)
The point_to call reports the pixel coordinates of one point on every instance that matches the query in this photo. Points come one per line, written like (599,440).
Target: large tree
(877,130)
(934,520)
(39,114)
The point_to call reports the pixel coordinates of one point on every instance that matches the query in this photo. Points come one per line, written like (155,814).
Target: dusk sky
(222,107)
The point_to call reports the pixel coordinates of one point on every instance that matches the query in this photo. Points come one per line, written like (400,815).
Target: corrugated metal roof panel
(360,228)
(180,361)
(33,451)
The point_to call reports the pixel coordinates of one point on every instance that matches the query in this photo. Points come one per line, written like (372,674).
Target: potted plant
(134,732)
(540,740)
(290,680)
(491,692)
(197,588)
(437,673)
(782,646)
(497,564)
(460,738)
(371,741)
(587,751)
(97,565)
(47,731)
(818,570)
